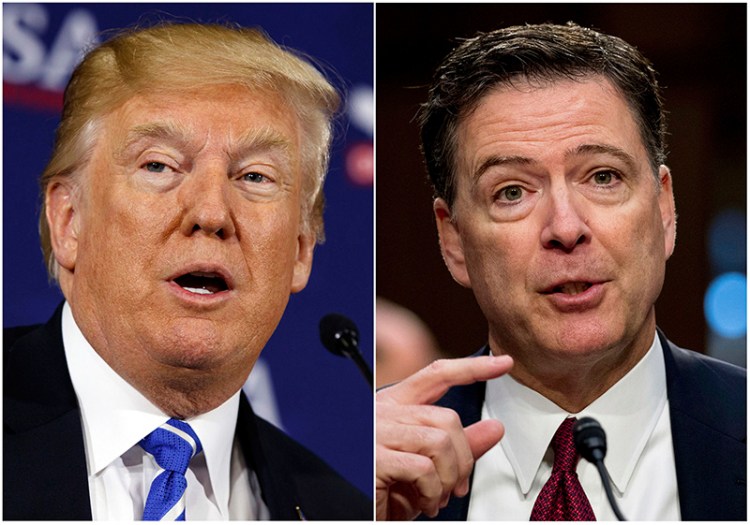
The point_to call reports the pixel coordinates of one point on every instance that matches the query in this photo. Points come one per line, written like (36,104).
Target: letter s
(23,50)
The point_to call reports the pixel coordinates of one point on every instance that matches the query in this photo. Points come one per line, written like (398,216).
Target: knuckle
(442,442)
(450,418)
(465,466)
(438,367)
(423,467)
(432,438)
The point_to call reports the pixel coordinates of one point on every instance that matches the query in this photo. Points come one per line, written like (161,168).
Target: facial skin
(560,228)
(205,182)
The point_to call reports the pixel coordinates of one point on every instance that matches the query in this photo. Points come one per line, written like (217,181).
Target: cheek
(499,258)
(636,243)
(269,240)
(125,235)
(641,235)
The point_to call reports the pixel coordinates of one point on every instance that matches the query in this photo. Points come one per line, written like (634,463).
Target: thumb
(483,435)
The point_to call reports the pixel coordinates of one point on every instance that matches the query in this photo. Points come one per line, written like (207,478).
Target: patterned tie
(173,445)
(562,498)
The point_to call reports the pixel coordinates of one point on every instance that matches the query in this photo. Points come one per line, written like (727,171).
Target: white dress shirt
(115,417)
(640,459)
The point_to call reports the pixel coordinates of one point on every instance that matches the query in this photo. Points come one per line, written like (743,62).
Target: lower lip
(586,300)
(208,299)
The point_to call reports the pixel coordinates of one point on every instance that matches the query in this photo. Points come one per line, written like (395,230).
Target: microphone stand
(608,489)
(591,443)
(362,365)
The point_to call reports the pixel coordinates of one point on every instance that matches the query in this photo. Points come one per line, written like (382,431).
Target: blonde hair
(183,56)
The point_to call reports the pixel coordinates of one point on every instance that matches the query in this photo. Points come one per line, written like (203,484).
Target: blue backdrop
(321,399)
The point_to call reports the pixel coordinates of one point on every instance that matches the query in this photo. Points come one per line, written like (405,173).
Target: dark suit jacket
(708,410)
(44,468)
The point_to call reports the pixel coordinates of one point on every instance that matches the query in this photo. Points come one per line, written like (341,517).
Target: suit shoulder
(707,390)
(710,370)
(34,335)
(12,334)
(14,340)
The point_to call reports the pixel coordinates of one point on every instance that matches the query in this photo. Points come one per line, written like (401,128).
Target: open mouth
(202,283)
(571,288)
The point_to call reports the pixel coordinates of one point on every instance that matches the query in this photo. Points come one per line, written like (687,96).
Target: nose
(565,225)
(206,205)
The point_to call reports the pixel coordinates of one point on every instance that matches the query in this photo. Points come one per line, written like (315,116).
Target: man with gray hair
(181,207)
(545,145)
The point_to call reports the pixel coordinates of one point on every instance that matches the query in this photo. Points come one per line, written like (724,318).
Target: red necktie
(562,498)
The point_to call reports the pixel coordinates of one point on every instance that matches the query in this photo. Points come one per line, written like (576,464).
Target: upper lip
(205,269)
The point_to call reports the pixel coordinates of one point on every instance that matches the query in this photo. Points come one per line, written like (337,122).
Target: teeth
(202,291)
(574,288)
(201,283)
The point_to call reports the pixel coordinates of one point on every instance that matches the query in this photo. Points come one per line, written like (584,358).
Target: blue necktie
(173,445)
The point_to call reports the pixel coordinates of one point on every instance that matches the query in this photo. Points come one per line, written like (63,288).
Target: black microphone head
(590,440)
(339,334)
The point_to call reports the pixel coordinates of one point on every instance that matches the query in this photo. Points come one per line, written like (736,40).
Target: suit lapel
(43,451)
(707,416)
(277,487)
(294,482)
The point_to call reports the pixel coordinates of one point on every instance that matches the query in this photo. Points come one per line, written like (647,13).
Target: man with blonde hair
(181,207)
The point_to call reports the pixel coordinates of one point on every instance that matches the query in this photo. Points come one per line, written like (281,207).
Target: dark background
(699,51)
(321,399)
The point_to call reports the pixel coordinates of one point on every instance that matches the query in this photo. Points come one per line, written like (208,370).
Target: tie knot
(566,455)
(173,445)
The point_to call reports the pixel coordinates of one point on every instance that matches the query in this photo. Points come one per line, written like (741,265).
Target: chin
(583,340)
(195,345)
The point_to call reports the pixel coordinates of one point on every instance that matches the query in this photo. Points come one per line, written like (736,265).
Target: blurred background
(699,51)
(318,398)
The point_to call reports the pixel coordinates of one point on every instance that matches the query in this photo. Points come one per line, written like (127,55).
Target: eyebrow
(166,131)
(495,160)
(605,149)
(264,139)
(579,151)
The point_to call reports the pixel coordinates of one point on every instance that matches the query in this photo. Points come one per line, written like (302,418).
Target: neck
(575,383)
(183,395)
(179,388)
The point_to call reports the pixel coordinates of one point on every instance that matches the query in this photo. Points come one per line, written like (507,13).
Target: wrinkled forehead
(523,108)
(232,111)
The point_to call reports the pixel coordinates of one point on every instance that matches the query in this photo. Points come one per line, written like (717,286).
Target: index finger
(432,382)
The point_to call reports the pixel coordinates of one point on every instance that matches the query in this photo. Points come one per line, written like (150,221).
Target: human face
(559,225)
(182,249)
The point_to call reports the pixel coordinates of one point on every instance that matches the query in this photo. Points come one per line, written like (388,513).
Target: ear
(667,209)
(61,205)
(451,245)
(303,262)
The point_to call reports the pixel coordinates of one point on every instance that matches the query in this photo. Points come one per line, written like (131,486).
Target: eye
(255,177)
(510,193)
(604,178)
(155,167)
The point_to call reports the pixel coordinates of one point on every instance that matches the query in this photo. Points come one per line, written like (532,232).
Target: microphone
(591,443)
(340,336)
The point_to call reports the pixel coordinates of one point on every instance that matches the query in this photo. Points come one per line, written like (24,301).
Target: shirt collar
(628,412)
(116,416)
